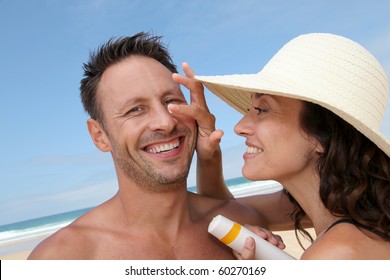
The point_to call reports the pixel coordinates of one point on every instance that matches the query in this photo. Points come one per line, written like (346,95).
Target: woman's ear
(98,135)
(318,148)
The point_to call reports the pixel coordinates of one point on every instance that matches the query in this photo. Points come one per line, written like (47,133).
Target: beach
(16,256)
(20,250)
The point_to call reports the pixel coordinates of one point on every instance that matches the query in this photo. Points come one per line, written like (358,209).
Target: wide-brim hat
(329,70)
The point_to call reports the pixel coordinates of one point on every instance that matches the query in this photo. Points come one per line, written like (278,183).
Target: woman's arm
(209,177)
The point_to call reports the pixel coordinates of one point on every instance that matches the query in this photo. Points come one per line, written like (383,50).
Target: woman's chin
(250,175)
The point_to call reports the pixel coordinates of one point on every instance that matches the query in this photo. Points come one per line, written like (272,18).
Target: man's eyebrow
(129,102)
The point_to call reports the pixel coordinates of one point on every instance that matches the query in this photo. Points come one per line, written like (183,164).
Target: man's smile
(166,147)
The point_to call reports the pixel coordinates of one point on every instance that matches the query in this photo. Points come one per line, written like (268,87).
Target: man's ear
(99,137)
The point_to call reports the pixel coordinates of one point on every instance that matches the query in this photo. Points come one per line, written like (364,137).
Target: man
(127,88)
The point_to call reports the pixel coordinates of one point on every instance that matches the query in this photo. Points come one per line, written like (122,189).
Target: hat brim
(236,91)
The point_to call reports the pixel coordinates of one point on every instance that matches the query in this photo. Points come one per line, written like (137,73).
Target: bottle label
(232,234)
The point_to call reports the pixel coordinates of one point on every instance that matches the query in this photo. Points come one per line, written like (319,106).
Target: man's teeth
(164,147)
(253,150)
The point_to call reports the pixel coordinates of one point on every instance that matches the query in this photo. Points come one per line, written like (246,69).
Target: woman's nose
(244,126)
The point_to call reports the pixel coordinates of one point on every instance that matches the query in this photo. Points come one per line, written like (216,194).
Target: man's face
(149,146)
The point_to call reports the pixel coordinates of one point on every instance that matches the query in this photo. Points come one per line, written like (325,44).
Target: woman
(312,121)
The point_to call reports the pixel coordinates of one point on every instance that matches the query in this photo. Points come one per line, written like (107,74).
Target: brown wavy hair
(354,173)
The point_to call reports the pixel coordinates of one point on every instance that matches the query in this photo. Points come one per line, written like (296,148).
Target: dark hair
(354,173)
(112,52)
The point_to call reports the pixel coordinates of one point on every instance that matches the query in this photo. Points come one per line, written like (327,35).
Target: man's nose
(161,119)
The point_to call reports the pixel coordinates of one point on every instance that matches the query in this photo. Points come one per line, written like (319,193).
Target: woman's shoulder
(348,242)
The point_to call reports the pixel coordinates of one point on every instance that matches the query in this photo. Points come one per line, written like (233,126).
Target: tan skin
(270,121)
(150,220)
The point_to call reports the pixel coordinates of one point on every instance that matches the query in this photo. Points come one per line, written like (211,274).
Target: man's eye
(170,101)
(134,110)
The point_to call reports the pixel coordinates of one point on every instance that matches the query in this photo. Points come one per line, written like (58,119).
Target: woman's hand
(248,252)
(208,138)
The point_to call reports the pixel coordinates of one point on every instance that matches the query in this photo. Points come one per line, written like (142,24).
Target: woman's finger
(195,87)
(203,118)
(249,250)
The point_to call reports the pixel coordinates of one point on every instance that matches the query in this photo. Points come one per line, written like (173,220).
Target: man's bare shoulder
(242,214)
(69,242)
(210,207)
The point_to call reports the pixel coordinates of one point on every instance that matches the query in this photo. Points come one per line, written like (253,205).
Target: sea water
(22,235)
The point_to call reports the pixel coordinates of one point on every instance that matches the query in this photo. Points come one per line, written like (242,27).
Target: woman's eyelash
(260,110)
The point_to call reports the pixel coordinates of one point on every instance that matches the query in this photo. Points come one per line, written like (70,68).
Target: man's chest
(188,246)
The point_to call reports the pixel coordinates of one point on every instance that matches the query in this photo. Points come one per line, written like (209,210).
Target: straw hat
(326,69)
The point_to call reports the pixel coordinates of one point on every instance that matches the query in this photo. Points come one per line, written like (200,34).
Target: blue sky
(48,163)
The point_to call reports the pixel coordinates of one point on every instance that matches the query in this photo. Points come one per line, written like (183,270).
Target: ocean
(27,234)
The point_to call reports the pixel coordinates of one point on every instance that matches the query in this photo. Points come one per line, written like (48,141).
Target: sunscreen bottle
(234,235)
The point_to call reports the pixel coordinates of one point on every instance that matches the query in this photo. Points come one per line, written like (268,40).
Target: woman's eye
(260,110)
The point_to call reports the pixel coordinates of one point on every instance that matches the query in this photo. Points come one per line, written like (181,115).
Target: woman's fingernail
(249,243)
(170,106)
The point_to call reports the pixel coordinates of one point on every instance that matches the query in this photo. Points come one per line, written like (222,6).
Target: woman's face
(277,148)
